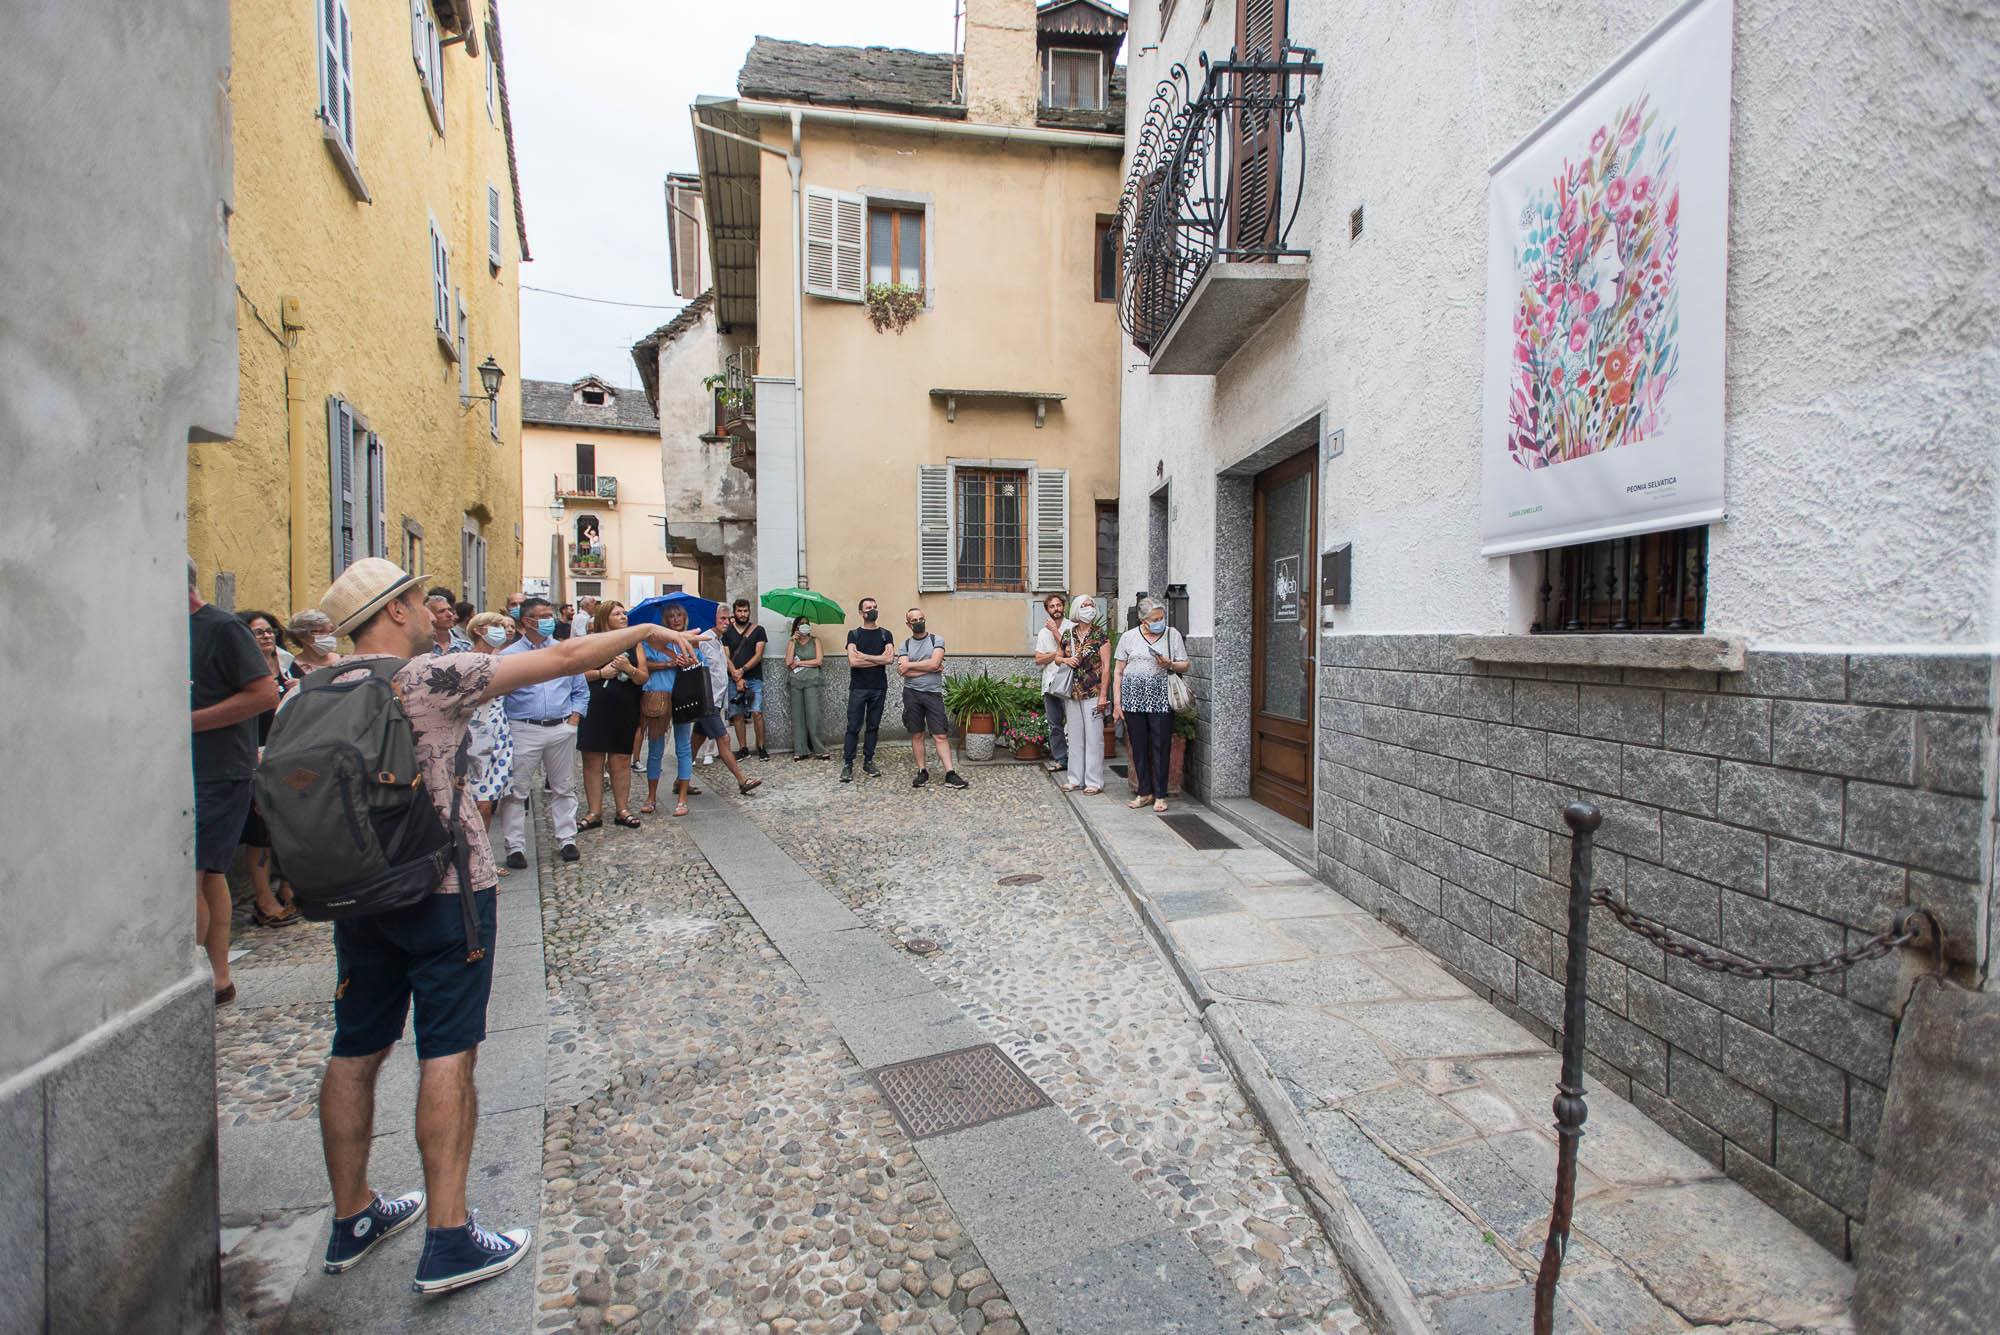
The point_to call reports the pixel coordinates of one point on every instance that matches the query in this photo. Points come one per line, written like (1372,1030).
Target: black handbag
(690,693)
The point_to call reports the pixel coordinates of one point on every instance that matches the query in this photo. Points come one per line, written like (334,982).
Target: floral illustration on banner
(1597,314)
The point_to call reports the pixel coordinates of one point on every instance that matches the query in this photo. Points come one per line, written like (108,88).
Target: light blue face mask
(496,636)
(545,627)
(1157,625)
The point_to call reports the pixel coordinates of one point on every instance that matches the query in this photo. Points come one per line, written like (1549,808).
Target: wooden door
(1253,199)
(1283,647)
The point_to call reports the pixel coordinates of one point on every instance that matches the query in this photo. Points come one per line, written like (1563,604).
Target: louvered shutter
(336,62)
(836,244)
(493,225)
(850,247)
(1049,529)
(1260,36)
(934,572)
(420,46)
(378,499)
(340,482)
(464,347)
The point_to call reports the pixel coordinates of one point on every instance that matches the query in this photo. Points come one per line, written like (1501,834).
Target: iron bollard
(1583,818)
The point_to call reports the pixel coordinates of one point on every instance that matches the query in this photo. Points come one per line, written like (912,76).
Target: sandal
(680,808)
(1071,787)
(1160,807)
(225,995)
(626,819)
(646,808)
(1092,792)
(284,917)
(745,787)
(596,822)
(1138,802)
(800,756)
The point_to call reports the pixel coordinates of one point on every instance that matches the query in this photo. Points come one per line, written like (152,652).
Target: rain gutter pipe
(881,120)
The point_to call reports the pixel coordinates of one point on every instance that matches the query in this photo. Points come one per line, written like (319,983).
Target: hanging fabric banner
(1606,257)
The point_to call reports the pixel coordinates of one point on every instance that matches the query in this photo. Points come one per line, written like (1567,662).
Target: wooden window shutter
(934,565)
(836,251)
(378,499)
(336,62)
(340,482)
(1048,559)
(1260,36)
(493,225)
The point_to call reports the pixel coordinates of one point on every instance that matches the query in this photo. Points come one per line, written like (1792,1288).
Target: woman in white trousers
(1086,650)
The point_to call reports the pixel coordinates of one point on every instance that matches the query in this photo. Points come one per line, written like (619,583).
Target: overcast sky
(600,92)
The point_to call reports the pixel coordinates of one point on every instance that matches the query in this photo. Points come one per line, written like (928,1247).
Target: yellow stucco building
(963,463)
(590,474)
(377,233)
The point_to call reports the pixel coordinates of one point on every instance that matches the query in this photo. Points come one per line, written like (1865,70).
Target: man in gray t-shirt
(920,663)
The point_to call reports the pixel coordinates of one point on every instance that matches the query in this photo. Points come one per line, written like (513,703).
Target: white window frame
(1049,76)
(1037,477)
(472,553)
(492,78)
(441,310)
(495,241)
(336,90)
(836,244)
(427,52)
(906,199)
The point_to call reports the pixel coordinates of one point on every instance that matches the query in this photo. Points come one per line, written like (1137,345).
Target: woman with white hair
(1146,654)
(1086,651)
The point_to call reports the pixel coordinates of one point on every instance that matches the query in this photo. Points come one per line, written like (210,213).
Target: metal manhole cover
(920,945)
(956,1090)
(1198,832)
(1022,878)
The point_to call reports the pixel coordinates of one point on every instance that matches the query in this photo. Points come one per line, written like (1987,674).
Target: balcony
(1209,205)
(734,388)
(590,565)
(596,488)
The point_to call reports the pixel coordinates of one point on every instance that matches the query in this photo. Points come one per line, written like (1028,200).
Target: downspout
(795,161)
(297,435)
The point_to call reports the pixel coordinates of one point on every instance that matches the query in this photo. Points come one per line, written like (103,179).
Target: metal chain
(1872,949)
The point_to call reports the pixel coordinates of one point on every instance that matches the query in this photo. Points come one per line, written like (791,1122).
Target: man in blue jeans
(419,954)
(870,650)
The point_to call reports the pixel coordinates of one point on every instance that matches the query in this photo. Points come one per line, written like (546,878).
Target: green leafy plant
(966,696)
(738,401)
(1184,726)
(893,305)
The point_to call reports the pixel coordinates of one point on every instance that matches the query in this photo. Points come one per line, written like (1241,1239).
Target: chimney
(1003,76)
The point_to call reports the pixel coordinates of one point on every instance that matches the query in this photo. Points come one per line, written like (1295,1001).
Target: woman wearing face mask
(267,908)
(803,661)
(657,710)
(490,756)
(611,724)
(1146,654)
(1086,650)
(313,640)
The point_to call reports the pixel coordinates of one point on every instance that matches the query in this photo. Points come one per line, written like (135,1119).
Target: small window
(464,341)
(493,253)
(441,311)
(427,50)
(1651,582)
(1104,281)
(992,539)
(594,397)
(493,416)
(1073,80)
(472,562)
(492,78)
(896,246)
(357,475)
(413,546)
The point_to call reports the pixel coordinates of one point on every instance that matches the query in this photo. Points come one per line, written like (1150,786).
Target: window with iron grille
(1104,284)
(1652,583)
(992,539)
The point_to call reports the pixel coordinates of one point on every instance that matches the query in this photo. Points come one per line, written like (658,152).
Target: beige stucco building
(594,448)
(962,462)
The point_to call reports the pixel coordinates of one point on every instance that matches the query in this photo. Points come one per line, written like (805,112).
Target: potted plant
(978,703)
(1025,734)
(893,305)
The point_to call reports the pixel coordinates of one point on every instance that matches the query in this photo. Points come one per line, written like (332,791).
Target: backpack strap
(461,851)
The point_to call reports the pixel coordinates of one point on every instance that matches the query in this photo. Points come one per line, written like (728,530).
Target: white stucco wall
(117,340)
(1863,372)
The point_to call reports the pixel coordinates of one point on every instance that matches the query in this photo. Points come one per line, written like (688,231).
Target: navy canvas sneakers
(355,1236)
(456,1257)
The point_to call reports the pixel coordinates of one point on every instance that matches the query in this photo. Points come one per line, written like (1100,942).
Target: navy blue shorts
(221,810)
(385,959)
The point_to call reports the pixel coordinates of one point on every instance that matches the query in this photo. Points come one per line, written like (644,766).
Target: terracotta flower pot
(1028,751)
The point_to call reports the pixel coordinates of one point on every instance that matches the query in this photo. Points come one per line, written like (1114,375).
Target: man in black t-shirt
(746,644)
(870,650)
(229,685)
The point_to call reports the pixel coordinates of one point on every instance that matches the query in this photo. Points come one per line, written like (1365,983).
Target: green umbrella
(814,607)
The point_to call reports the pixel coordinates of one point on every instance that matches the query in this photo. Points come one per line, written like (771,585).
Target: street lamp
(490,376)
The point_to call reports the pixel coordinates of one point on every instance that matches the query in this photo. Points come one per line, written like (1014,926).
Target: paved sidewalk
(271,1047)
(1421,1116)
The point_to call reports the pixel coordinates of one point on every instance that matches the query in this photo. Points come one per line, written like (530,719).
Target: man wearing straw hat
(419,953)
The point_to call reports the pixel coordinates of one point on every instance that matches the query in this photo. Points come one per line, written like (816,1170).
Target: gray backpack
(353,829)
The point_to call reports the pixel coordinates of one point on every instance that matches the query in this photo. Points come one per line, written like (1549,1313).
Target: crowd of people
(492,705)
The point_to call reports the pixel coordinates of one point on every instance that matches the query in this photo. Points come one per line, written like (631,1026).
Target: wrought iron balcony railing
(1218,174)
(601,487)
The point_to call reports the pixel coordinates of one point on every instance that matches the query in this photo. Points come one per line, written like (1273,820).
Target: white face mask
(1085,612)
(326,644)
(496,636)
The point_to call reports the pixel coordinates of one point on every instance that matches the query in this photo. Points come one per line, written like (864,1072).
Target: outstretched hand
(678,644)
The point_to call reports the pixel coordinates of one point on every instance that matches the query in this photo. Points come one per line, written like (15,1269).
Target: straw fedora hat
(363,589)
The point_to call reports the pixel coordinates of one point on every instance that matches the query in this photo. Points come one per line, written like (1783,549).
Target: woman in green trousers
(803,661)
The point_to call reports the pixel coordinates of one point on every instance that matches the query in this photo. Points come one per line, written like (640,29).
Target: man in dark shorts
(870,650)
(229,685)
(418,954)
(920,663)
(746,645)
